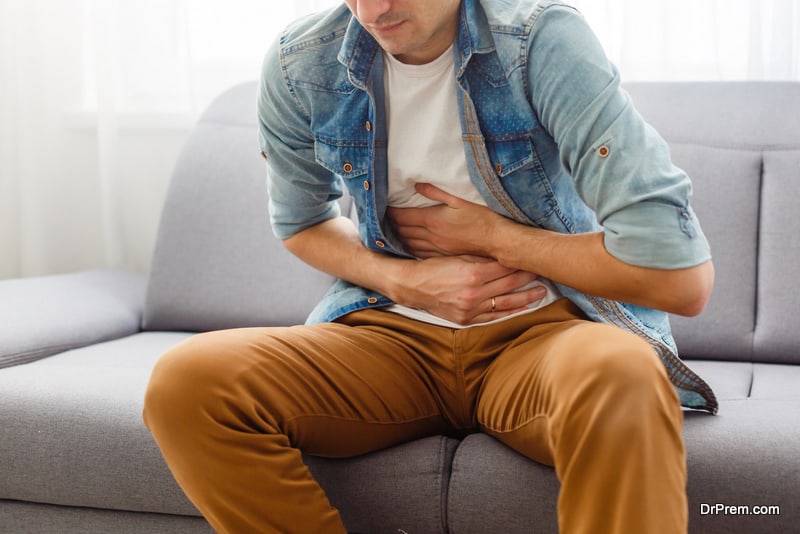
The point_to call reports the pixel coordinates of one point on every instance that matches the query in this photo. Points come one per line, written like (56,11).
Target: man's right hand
(465,289)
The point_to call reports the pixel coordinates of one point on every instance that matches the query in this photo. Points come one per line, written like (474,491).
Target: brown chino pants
(231,411)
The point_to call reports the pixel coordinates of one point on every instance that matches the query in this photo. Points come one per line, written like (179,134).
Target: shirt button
(368,126)
(603,151)
(372,300)
(347,167)
(263,154)
(380,243)
(499,168)
(366,185)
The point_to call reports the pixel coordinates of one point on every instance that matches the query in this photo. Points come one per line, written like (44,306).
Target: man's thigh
(332,389)
(558,369)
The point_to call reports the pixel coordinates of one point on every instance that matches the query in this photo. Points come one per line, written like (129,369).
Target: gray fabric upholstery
(216,263)
(73,432)
(778,317)
(730,222)
(50,314)
(494,489)
(71,435)
(745,456)
(743,114)
(402,489)
(33,518)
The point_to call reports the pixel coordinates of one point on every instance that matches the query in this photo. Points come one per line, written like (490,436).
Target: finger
(422,249)
(505,305)
(432,192)
(412,232)
(411,217)
(501,279)
(425,254)
(520,299)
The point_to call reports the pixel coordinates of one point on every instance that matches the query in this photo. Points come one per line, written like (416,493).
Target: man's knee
(623,373)
(184,378)
(622,359)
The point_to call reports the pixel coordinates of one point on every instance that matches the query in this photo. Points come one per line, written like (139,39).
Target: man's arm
(576,260)
(458,288)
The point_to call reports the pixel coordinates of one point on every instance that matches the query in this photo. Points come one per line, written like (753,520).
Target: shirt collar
(359,48)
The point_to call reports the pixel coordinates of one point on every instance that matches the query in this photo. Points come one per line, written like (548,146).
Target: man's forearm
(334,247)
(582,261)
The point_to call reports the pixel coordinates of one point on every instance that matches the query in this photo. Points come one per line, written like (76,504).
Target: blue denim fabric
(551,140)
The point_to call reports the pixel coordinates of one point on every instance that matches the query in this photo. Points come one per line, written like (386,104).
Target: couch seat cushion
(72,430)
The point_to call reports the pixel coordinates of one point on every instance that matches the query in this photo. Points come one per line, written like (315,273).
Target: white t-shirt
(425,145)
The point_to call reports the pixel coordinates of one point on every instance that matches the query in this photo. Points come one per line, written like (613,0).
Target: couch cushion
(72,430)
(745,456)
(726,188)
(776,382)
(494,489)
(778,296)
(216,263)
(24,517)
(42,316)
(402,489)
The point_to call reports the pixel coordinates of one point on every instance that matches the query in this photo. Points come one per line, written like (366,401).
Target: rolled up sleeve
(620,165)
(302,192)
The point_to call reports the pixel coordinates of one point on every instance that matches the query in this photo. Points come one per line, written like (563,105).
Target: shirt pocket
(346,158)
(509,154)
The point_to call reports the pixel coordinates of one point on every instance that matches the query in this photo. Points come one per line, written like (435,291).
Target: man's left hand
(454,227)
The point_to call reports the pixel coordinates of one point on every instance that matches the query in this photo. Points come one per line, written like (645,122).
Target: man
(510,199)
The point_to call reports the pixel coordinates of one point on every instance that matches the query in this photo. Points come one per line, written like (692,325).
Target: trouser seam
(360,420)
(461,383)
(515,428)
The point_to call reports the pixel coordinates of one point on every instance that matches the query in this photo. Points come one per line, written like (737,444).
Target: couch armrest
(42,316)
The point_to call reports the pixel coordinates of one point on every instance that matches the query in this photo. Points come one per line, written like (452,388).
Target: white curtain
(699,39)
(97,97)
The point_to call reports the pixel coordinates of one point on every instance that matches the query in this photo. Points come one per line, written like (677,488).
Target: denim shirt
(550,138)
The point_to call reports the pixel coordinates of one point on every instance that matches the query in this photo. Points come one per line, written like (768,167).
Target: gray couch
(77,349)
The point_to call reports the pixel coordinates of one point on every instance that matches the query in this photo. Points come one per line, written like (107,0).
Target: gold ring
(494,303)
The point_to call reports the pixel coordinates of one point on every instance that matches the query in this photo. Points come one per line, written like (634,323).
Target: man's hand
(454,227)
(465,289)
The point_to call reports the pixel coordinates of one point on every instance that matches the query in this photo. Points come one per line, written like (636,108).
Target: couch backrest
(217,264)
(740,142)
